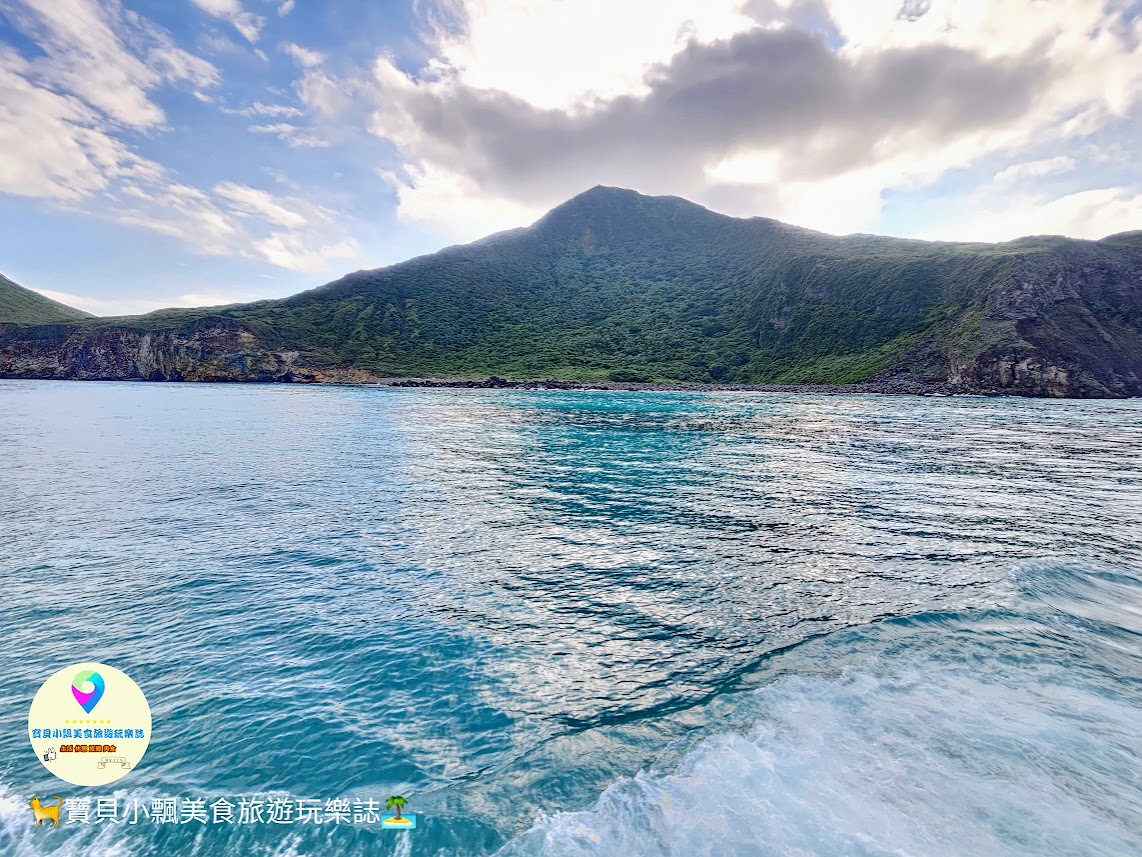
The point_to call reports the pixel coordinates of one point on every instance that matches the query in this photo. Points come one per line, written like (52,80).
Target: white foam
(19,838)
(913,754)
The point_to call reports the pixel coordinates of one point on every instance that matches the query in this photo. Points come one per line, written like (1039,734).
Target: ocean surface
(585,623)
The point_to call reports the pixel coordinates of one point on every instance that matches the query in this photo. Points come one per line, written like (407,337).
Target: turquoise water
(586,623)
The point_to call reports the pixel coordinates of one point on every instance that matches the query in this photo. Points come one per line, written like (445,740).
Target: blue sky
(187,152)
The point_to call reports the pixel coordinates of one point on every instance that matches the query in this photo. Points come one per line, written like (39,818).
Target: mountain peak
(601,195)
(619,208)
(609,189)
(607,193)
(605,219)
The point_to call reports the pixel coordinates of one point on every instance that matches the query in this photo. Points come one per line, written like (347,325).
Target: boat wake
(999,733)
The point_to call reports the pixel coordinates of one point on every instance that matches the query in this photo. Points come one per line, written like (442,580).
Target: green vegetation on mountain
(616,285)
(23,306)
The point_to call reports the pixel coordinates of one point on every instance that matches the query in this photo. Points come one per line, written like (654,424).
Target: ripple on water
(504,603)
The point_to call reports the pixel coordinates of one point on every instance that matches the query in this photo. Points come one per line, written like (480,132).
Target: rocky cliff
(211,349)
(1066,324)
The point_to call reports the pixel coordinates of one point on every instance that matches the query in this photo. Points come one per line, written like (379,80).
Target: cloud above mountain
(811,112)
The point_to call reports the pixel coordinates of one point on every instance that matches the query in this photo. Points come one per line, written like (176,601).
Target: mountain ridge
(616,285)
(19,305)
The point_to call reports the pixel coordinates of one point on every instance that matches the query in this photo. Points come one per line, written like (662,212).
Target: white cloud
(559,54)
(60,134)
(248,200)
(525,102)
(139,306)
(246,23)
(176,64)
(285,8)
(288,250)
(291,134)
(1034,169)
(270,110)
(53,144)
(109,58)
(240,221)
(282,129)
(452,206)
(308,141)
(219,8)
(305,57)
(323,94)
(839,205)
(1091,214)
(182,212)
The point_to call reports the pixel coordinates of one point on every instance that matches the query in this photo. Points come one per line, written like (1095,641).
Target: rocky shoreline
(223,350)
(359,378)
(888,386)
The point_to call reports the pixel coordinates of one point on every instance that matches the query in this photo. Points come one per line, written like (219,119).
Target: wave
(997,733)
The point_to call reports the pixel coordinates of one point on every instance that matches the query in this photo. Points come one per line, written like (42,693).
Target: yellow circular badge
(90,724)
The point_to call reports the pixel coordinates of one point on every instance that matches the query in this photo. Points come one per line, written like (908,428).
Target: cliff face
(1066,325)
(1045,368)
(1010,375)
(212,349)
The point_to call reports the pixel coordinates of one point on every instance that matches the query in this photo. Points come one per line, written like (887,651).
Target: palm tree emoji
(396,802)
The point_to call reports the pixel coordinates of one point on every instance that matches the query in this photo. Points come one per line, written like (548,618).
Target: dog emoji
(41,812)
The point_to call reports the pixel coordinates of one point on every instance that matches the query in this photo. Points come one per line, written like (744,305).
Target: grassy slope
(636,287)
(23,306)
(614,284)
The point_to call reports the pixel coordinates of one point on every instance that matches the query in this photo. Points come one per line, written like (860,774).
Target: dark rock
(211,349)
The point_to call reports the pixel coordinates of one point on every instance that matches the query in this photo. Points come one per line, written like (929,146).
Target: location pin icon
(87,687)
